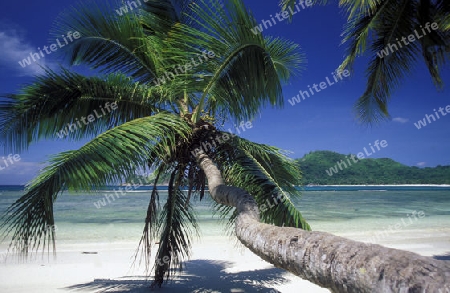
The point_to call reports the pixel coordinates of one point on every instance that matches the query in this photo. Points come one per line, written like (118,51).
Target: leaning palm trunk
(333,262)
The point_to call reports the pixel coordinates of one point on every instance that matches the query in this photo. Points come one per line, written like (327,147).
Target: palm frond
(149,233)
(387,25)
(286,57)
(444,22)
(109,41)
(282,176)
(385,72)
(267,174)
(248,68)
(177,224)
(357,32)
(64,105)
(171,10)
(361,7)
(112,156)
(434,43)
(290,4)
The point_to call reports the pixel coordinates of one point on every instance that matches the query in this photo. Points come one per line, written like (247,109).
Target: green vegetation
(315,165)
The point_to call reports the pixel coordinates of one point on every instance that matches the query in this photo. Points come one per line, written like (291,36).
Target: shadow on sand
(199,276)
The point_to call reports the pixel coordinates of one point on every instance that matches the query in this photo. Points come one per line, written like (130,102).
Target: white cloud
(18,168)
(15,48)
(400,120)
(421,164)
(18,173)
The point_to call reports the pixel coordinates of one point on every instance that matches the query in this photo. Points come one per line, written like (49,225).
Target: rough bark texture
(333,262)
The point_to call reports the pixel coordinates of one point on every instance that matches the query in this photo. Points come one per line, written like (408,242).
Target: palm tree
(164,127)
(164,116)
(396,34)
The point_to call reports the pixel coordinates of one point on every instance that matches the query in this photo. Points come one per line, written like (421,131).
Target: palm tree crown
(396,34)
(176,71)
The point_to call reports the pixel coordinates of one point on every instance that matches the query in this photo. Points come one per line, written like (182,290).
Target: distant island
(331,168)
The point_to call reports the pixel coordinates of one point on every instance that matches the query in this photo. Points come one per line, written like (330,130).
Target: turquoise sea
(368,213)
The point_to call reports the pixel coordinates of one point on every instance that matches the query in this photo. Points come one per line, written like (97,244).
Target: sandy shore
(218,264)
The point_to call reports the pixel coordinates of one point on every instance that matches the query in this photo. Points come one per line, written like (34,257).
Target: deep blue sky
(321,122)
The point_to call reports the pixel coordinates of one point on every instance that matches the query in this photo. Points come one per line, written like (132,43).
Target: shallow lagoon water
(380,215)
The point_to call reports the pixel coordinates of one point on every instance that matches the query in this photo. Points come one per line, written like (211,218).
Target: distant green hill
(321,167)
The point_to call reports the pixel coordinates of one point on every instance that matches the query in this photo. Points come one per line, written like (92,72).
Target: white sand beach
(218,264)
(414,221)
